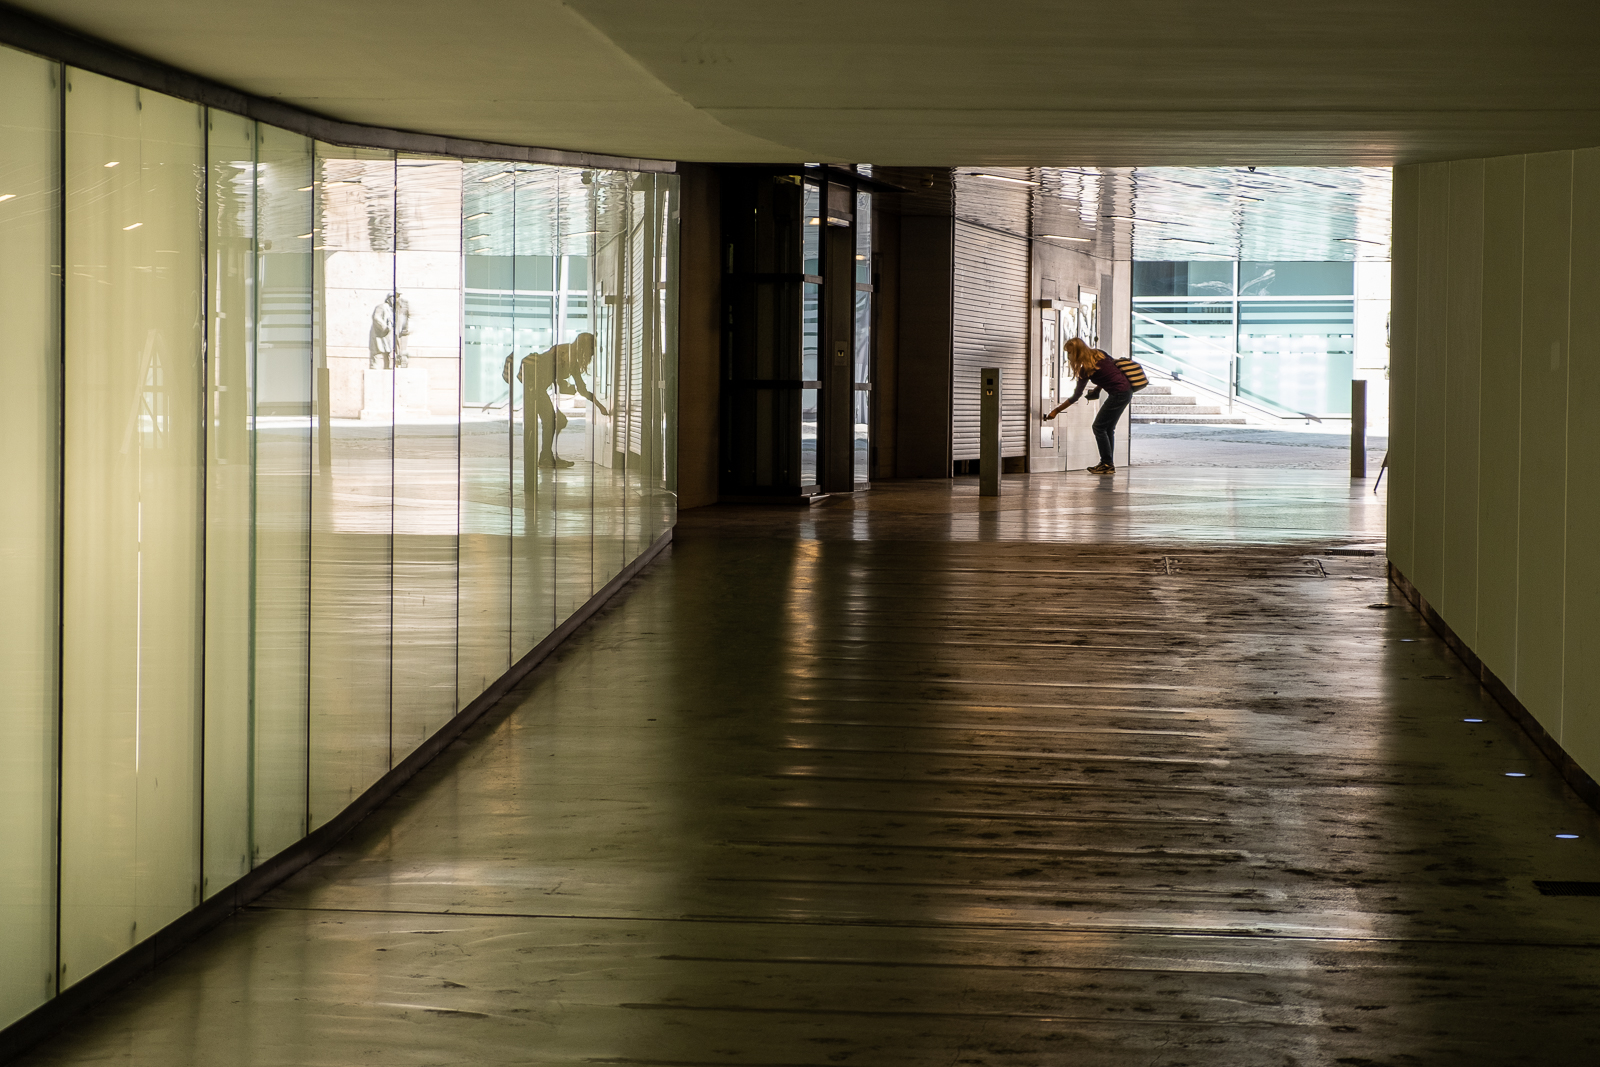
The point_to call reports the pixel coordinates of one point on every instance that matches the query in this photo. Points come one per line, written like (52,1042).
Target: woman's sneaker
(1102,468)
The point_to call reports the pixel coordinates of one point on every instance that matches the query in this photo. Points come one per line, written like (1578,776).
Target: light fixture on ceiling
(7,196)
(114,162)
(1063,237)
(303,236)
(477,237)
(479,215)
(306,188)
(135,226)
(1001,178)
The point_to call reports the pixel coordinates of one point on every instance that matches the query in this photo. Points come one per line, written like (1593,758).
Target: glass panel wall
(1279,336)
(359,324)
(131,589)
(426,370)
(331,437)
(229,527)
(30,530)
(282,439)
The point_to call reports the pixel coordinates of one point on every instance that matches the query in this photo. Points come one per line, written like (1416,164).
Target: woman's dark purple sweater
(1107,376)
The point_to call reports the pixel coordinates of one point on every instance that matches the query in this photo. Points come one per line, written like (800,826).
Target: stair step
(1175,409)
(1188,420)
(1141,399)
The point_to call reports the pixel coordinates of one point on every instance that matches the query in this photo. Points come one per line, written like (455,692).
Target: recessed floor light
(1471,720)
(1567,837)
(1515,774)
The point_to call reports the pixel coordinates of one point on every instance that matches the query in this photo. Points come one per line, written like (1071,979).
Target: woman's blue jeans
(1105,425)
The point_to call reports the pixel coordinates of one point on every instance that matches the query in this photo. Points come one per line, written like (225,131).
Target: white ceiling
(910,82)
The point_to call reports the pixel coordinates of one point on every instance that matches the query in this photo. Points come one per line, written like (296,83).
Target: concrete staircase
(1158,403)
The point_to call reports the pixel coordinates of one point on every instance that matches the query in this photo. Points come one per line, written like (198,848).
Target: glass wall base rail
(54,1014)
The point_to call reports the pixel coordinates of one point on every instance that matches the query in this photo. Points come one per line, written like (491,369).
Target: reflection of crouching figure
(540,372)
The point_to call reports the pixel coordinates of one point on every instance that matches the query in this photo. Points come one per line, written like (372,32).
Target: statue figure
(387,344)
(559,367)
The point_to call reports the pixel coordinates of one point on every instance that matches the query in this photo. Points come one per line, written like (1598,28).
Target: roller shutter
(992,294)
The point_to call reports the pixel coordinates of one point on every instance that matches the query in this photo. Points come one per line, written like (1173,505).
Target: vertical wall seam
(1566,456)
(1522,315)
(54,987)
(206,394)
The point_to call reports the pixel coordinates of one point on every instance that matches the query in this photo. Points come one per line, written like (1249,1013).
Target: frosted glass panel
(426,424)
(283,425)
(131,673)
(362,340)
(30,362)
(230,315)
(307,446)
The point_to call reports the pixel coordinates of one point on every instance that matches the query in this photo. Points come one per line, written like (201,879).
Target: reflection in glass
(353,476)
(229,525)
(131,641)
(862,397)
(283,457)
(427,373)
(808,437)
(488,206)
(29,525)
(284,544)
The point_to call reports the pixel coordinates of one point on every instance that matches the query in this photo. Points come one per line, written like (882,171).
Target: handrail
(1232,398)
(1193,336)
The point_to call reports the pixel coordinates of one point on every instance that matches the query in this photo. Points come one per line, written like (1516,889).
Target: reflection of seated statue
(555,367)
(387,341)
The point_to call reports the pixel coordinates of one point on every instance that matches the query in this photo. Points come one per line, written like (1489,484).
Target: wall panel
(30,404)
(1542,477)
(131,641)
(1463,328)
(1433,346)
(1580,606)
(282,439)
(229,494)
(1501,403)
(1403,370)
(352,498)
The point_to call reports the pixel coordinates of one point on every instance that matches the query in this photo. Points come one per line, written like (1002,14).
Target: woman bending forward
(1092,365)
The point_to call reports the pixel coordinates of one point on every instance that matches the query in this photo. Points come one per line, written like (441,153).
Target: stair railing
(1230,395)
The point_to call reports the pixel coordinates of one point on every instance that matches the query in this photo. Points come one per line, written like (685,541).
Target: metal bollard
(989,433)
(1358,428)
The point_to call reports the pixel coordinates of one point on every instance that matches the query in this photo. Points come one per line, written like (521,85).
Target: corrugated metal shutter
(991,330)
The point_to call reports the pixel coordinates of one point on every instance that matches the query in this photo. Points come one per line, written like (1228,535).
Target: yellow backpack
(1133,372)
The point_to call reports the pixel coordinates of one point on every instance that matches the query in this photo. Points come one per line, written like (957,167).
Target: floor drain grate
(1568,889)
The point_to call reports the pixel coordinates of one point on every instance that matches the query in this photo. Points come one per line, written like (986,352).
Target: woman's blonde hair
(1081,358)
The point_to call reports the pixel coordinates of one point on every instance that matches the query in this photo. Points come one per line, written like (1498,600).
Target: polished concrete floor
(1104,772)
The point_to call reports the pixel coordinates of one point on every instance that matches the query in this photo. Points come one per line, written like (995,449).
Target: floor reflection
(1095,773)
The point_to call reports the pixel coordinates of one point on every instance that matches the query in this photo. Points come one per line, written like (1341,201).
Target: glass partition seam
(60,78)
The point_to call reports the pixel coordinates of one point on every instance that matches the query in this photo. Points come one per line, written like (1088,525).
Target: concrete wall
(1495,446)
